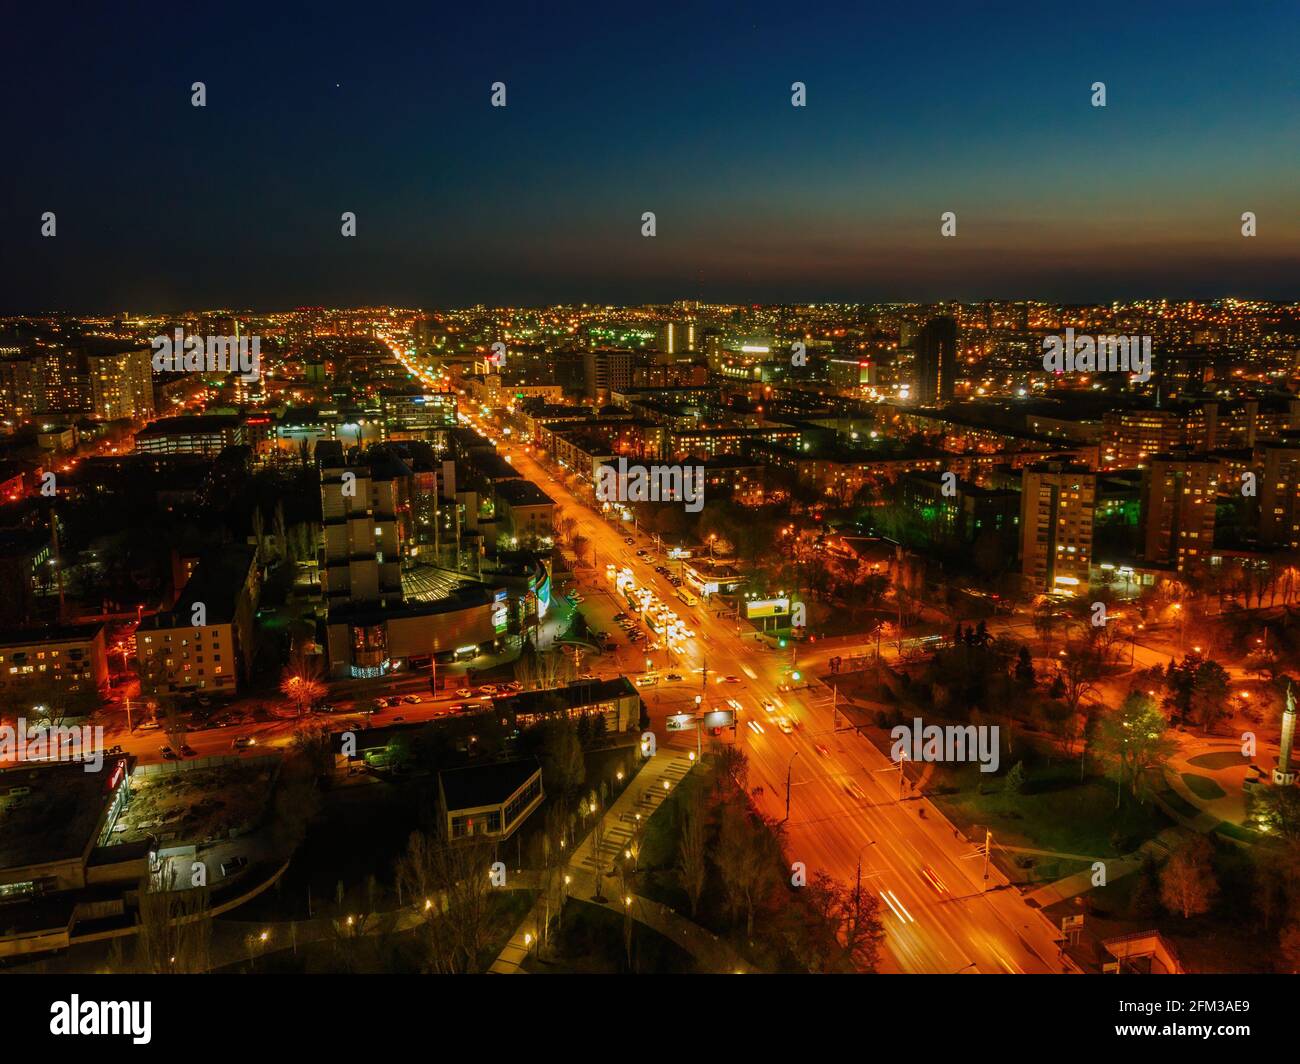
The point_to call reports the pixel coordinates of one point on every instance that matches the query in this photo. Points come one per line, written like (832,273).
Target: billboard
(771,607)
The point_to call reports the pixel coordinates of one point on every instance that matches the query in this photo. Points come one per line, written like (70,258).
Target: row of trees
(732,854)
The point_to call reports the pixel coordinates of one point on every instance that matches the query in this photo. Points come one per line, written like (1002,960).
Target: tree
(563,767)
(1133,740)
(300,683)
(1078,680)
(174,930)
(1276,811)
(1015,780)
(748,855)
(1025,668)
(691,863)
(312,743)
(1288,945)
(1187,882)
(449,885)
(1210,694)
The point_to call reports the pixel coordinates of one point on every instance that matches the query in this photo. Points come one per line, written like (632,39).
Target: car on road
(243,742)
(393,700)
(412,700)
(169,754)
(620,616)
(784,724)
(629,540)
(931,877)
(381,703)
(512,685)
(769,707)
(114,750)
(464,692)
(588,676)
(398,719)
(488,689)
(148,725)
(647,681)
(187,750)
(731,679)
(823,751)
(673,677)
(235,864)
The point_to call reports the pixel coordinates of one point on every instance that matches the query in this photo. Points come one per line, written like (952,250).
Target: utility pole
(988,844)
(902,756)
(788,770)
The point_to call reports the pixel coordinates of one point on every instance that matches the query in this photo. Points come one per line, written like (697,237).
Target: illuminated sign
(773,607)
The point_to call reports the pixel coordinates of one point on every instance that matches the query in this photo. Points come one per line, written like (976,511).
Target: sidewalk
(643,796)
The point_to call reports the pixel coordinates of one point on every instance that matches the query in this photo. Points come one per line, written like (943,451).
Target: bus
(687,597)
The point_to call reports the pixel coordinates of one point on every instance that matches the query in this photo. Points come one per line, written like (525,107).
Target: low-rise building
(489,800)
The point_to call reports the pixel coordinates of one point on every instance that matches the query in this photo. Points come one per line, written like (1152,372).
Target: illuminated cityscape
(856,582)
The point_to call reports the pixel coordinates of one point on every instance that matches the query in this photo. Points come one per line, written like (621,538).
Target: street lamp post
(788,769)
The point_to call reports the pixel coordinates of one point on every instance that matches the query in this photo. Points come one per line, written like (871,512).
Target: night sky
(913,110)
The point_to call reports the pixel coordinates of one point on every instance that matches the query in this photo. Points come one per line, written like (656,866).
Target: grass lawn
(1228,938)
(1202,786)
(1054,811)
(591,941)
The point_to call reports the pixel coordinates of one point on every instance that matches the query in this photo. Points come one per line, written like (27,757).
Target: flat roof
(59,816)
(571,696)
(475,786)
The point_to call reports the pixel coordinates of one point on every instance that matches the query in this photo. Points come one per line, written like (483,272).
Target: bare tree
(1187,882)
(174,929)
(691,864)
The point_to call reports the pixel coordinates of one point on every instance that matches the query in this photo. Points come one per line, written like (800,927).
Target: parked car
(114,750)
(169,754)
(235,864)
(187,750)
(412,700)
(488,689)
(464,692)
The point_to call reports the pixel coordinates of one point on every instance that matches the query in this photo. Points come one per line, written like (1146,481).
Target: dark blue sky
(913,110)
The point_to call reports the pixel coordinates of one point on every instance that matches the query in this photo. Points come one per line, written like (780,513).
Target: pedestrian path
(590,863)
